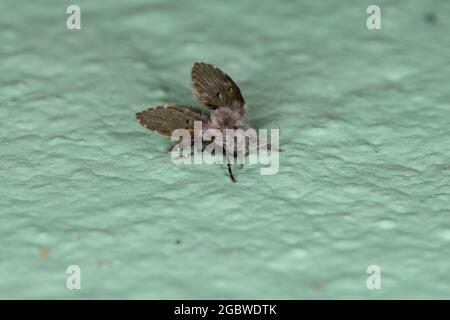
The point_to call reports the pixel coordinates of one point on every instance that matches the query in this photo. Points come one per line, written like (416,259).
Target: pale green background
(364,119)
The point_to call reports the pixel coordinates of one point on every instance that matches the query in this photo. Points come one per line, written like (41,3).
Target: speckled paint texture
(364,118)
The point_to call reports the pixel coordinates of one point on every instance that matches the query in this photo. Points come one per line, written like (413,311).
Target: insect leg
(190,154)
(268,146)
(171,148)
(230,173)
(181,157)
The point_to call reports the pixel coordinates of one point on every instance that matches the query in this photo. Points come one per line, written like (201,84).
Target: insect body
(213,88)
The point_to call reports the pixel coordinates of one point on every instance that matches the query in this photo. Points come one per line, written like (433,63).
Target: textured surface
(364,119)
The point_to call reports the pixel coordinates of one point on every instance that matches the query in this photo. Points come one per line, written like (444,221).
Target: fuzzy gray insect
(216,90)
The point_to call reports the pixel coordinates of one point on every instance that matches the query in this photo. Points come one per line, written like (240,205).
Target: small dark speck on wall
(430,17)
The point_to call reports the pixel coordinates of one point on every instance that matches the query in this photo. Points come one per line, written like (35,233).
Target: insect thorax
(227,118)
(234,130)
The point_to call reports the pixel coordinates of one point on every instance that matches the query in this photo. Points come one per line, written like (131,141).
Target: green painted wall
(364,118)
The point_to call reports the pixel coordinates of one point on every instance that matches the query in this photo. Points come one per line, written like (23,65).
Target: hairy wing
(167,118)
(214,88)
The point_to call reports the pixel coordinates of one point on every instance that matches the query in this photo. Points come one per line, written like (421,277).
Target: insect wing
(167,118)
(214,88)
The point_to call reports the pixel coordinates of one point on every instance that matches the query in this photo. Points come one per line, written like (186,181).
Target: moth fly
(217,91)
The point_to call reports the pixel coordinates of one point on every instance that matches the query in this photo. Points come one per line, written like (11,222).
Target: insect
(216,90)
